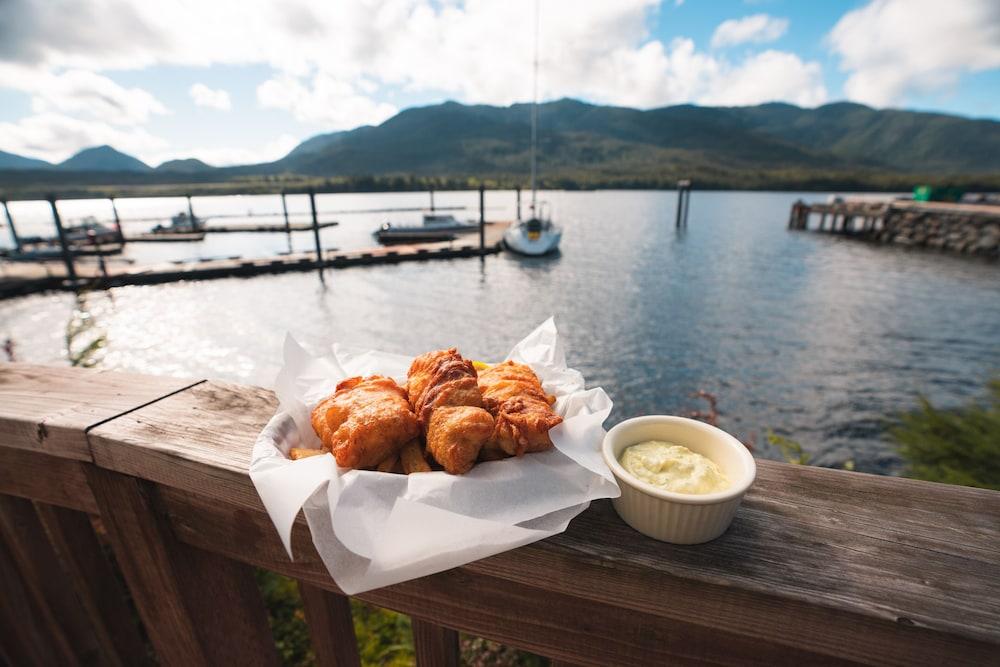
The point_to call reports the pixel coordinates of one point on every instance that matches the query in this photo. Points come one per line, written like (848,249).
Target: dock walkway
(19,278)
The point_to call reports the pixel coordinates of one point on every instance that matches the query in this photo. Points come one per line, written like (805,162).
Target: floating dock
(27,278)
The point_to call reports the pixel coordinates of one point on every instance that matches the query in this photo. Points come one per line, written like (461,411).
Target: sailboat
(537,235)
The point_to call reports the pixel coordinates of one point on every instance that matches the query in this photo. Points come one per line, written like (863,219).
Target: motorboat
(435,227)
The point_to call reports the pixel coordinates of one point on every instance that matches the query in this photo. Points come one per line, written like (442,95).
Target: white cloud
(55,137)
(767,77)
(81,92)
(204,96)
(327,101)
(891,48)
(758,29)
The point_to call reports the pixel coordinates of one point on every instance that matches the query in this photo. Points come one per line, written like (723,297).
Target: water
(819,338)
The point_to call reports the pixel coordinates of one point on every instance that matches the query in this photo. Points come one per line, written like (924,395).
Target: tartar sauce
(673,468)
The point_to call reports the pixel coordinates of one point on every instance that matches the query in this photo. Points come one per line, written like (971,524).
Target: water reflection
(817,338)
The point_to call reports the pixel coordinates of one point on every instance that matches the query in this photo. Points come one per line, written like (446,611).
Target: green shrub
(957,446)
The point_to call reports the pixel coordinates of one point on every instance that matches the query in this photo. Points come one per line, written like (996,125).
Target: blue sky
(233,81)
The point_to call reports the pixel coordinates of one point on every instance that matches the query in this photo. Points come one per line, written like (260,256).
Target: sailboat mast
(534,122)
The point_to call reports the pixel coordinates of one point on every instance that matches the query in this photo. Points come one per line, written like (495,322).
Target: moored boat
(537,235)
(435,227)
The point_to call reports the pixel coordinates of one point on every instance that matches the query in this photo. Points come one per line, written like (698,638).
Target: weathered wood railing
(820,566)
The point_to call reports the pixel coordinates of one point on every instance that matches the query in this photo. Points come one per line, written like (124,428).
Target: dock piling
(194,221)
(683,202)
(284,208)
(432,200)
(518,191)
(118,221)
(10,223)
(63,243)
(315,227)
(482,221)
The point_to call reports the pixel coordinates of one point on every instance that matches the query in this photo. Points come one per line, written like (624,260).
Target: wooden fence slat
(331,627)
(46,581)
(22,627)
(434,645)
(96,585)
(198,608)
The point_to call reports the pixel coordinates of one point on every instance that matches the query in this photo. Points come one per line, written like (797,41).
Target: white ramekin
(680,518)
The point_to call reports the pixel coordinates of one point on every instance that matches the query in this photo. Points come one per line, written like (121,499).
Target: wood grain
(331,626)
(48,585)
(23,628)
(48,409)
(434,645)
(96,585)
(819,565)
(46,478)
(198,608)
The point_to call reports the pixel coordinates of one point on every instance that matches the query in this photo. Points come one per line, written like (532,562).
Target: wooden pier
(963,228)
(820,566)
(25,278)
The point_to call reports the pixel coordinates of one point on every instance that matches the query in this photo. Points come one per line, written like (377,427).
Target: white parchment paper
(373,529)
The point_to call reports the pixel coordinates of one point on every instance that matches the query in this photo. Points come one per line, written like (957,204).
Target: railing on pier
(820,566)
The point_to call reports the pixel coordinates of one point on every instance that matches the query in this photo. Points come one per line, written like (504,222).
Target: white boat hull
(517,238)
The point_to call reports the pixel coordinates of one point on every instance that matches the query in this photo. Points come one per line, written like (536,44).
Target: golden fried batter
(522,410)
(365,421)
(455,435)
(438,382)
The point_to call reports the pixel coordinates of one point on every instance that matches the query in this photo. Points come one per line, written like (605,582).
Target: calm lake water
(818,338)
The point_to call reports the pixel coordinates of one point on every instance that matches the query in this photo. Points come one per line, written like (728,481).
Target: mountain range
(586,144)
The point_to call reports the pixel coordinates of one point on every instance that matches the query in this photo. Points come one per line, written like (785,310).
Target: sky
(240,81)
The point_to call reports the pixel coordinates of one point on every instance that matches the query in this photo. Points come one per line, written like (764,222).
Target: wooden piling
(63,243)
(284,208)
(315,227)
(432,200)
(118,221)
(194,221)
(517,190)
(683,202)
(10,223)
(482,220)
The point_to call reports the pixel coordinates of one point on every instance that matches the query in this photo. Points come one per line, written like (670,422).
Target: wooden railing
(820,566)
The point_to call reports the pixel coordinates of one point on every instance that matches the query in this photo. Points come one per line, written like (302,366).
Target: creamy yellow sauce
(673,468)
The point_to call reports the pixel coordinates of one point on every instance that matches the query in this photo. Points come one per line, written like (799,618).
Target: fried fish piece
(522,410)
(456,434)
(388,465)
(437,383)
(365,421)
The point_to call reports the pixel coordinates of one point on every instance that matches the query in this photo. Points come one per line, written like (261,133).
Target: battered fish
(445,396)
(365,421)
(522,411)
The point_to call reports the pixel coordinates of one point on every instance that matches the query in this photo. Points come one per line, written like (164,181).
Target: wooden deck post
(118,221)
(482,220)
(96,585)
(198,608)
(434,645)
(66,252)
(10,224)
(331,627)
